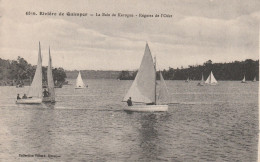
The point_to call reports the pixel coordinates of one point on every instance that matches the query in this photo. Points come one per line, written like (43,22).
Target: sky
(201,30)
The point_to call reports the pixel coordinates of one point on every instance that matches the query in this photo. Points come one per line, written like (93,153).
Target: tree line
(16,71)
(222,71)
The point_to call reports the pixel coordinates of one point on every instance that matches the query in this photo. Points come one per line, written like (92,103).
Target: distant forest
(93,74)
(14,71)
(222,71)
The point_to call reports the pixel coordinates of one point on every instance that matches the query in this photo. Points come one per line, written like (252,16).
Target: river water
(209,123)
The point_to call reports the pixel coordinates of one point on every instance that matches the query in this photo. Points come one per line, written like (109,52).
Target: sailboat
(79,82)
(50,86)
(35,90)
(58,85)
(188,79)
(244,79)
(143,88)
(211,80)
(254,79)
(201,83)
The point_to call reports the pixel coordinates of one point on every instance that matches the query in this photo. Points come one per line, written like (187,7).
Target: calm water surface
(210,123)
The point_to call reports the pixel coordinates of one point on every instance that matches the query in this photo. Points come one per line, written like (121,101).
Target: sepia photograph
(118,80)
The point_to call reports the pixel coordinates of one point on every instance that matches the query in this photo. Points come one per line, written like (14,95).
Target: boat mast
(155,81)
(210,77)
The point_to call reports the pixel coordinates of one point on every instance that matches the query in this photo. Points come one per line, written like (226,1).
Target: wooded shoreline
(14,72)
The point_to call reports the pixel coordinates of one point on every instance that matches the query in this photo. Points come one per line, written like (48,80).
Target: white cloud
(198,32)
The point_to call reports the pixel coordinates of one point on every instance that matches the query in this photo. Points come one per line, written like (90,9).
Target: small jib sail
(143,89)
(202,79)
(35,90)
(79,82)
(244,79)
(162,96)
(211,79)
(50,80)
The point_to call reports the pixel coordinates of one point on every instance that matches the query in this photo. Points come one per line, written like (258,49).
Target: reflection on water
(41,128)
(149,136)
(209,123)
(49,105)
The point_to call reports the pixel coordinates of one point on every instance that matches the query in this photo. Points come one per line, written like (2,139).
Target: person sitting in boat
(45,93)
(24,96)
(18,97)
(129,102)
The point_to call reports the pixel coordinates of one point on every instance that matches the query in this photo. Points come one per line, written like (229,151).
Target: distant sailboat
(79,82)
(188,79)
(143,89)
(35,90)
(57,84)
(254,79)
(211,80)
(244,79)
(50,86)
(201,83)
(20,84)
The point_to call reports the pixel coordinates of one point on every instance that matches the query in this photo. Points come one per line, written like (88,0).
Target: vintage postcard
(168,80)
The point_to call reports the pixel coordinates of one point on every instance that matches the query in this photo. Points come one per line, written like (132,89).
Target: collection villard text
(75,14)
(39,155)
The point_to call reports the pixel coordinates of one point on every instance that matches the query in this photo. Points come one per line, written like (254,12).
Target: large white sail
(211,79)
(79,82)
(50,79)
(143,87)
(163,91)
(35,90)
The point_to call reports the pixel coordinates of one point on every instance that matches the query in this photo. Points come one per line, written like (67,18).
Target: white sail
(79,82)
(201,83)
(208,80)
(211,79)
(143,87)
(202,78)
(254,79)
(244,79)
(188,79)
(50,79)
(35,90)
(163,91)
